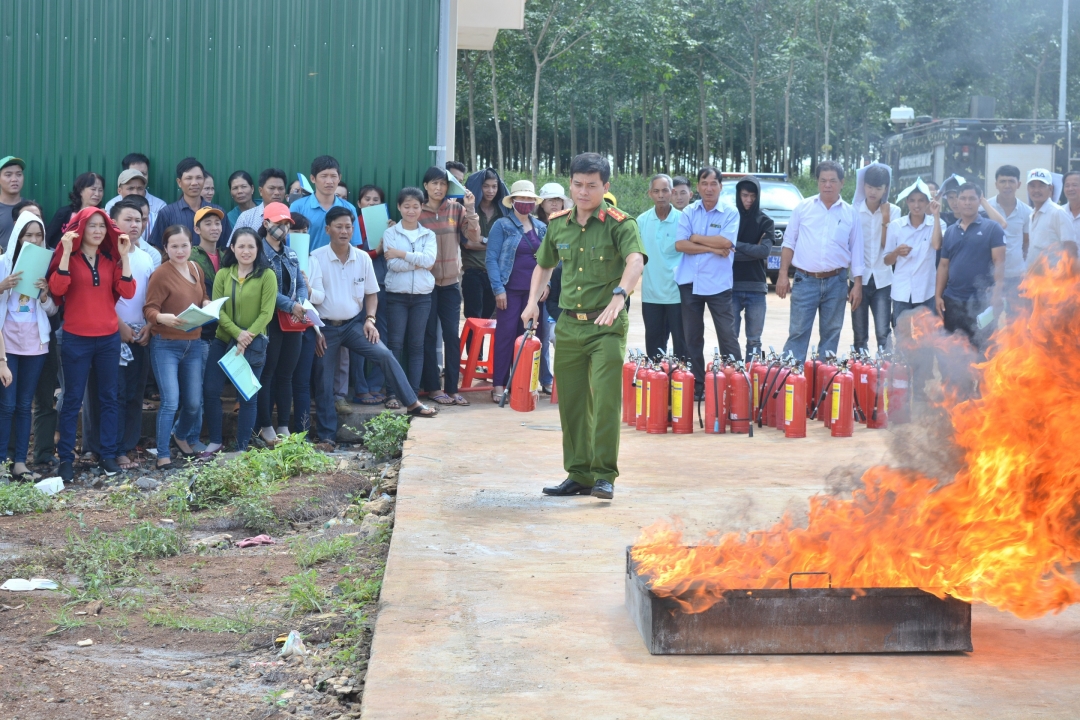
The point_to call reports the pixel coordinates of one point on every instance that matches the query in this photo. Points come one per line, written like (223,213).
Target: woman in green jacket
(246,279)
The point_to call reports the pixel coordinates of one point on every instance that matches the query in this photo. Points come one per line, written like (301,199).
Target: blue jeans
(407,317)
(879,301)
(78,355)
(178,367)
(445,311)
(131,383)
(821,297)
(17,399)
(351,335)
(753,304)
(214,381)
(301,384)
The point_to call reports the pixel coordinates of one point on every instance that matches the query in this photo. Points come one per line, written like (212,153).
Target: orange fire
(1006,529)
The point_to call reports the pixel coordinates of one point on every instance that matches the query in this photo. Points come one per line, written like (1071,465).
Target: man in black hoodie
(750,283)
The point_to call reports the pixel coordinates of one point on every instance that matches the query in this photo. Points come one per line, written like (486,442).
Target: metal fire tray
(793,621)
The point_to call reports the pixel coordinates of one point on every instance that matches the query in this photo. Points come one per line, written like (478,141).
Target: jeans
(407,317)
(753,305)
(445,311)
(351,335)
(78,356)
(301,384)
(17,399)
(214,381)
(178,367)
(45,412)
(693,316)
(476,294)
(282,354)
(661,321)
(879,301)
(369,378)
(131,383)
(823,297)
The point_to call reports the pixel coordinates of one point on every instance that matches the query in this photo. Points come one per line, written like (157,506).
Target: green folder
(375,219)
(32,263)
(239,372)
(456,189)
(301,244)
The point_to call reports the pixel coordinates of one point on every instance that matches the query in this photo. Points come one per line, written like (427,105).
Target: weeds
(274,697)
(20,498)
(103,560)
(305,593)
(64,620)
(385,434)
(243,622)
(308,555)
(125,497)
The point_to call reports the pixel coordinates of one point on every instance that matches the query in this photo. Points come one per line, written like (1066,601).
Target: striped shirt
(448,224)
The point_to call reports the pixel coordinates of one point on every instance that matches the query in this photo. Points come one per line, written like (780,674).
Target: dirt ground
(193,635)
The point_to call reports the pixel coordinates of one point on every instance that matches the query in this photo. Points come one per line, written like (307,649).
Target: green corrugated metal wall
(239,84)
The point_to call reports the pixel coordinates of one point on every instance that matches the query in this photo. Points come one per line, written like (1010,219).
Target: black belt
(821,275)
(583,316)
(339,323)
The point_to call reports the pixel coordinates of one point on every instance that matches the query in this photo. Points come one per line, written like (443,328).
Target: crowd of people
(376,311)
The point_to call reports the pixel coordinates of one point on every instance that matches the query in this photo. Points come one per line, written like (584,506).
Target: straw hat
(521,189)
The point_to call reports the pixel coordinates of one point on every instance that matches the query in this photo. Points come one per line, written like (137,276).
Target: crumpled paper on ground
(256,540)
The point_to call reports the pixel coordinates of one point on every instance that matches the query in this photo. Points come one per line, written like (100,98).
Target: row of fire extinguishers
(772,391)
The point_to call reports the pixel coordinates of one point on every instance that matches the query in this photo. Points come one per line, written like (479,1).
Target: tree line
(746,85)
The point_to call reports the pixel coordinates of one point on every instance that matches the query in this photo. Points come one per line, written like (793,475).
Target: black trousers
(693,317)
(477,297)
(662,321)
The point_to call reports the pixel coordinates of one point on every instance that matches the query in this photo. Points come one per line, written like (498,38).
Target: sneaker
(66,471)
(342,406)
(110,466)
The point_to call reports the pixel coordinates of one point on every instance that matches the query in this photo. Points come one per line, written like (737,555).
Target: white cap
(1041,175)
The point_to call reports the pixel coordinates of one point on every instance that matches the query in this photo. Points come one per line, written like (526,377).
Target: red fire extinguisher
(795,405)
(898,397)
(775,409)
(810,367)
(640,421)
(629,371)
(826,373)
(843,404)
(656,405)
(877,407)
(758,372)
(525,375)
(861,372)
(682,401)
(740,408)
(715,400)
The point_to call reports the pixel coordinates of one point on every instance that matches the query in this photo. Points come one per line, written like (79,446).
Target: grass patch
(21,498)
(385,433)
(305,593)
(102,560)
(65,620)
(310,554)
(243,622)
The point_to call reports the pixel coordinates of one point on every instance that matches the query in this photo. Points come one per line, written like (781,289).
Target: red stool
(478,363)
(554,392)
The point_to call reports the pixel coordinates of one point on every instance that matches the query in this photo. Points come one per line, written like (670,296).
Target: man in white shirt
(875,212)
(134,352)
(1017,227)
(823,239)
(345,293)
(1051,225)
(911,248)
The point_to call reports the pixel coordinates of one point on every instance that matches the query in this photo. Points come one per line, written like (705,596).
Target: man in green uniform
(602,258)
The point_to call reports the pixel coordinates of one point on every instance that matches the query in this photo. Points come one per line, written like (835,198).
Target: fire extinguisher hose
(824,392)
(749,403)
(513,367)
(764,399)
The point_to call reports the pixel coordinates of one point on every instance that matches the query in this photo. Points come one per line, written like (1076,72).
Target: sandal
(460,400)
(174,444)
(365,399)
(147,405)
(422,411)
(442,399)
(378,397)
(392,404)
(126,463)
(27,477)
(497,397)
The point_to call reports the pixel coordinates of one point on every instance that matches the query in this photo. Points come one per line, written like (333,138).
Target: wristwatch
(370,317)
(620,291)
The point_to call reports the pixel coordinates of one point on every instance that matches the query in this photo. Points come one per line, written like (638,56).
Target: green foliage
(309,554)
(103,560)
(64,619)
(243,621)
(385,433)
(304,592)
(20,498)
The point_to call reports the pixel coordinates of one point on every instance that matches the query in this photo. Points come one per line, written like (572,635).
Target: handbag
(289,323)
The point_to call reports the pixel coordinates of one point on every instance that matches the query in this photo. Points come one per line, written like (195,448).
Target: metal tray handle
(816,572)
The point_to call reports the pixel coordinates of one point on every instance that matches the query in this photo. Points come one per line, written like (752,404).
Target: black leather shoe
(568,487)
(603,489)
(66,471)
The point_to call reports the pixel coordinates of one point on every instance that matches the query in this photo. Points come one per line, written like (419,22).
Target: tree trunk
(703,113)
(646,163)
(555,150)
(827,149)
(614,136)
(470,72)
(512,147)
(535,111)
(667,136)
(573,133)
(787,116)
(495,113)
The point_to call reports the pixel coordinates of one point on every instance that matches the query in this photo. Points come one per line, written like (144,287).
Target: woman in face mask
(286,330)
(511,258)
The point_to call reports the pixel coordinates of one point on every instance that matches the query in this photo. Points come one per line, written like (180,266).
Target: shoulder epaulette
(559,214)
(616,213)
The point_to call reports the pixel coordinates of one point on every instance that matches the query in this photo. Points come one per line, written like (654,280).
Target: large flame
(1004,531)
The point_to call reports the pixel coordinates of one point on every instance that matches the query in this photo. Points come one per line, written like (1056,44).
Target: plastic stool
(554,392)
(478,363)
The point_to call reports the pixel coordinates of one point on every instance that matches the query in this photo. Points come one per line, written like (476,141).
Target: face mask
(524,207)
(279,232)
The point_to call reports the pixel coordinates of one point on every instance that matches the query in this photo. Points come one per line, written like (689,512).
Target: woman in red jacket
(89,272)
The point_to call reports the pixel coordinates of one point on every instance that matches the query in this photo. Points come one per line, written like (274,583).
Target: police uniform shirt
(593,256)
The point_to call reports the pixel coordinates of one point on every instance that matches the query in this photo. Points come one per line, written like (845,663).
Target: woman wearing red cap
(89,272)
